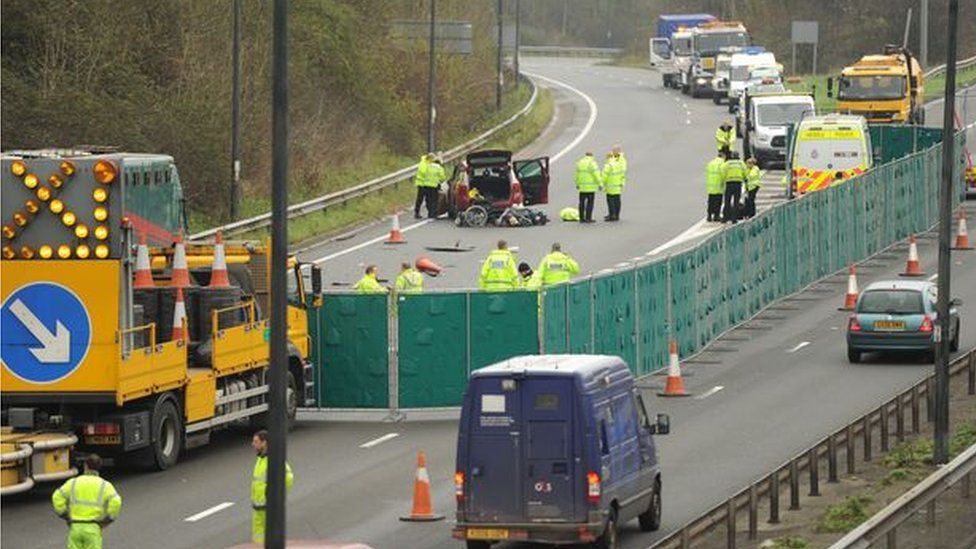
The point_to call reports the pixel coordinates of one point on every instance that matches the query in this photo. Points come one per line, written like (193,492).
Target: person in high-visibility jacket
(436,174)
(614,178)
(528,278)
(410,280)
(259,485)
(499,272)
(587,180)
(369,284)
(422,181)
(557,267)
(725,138)
(753,183)
(714,187)
(88,503)
(734,173)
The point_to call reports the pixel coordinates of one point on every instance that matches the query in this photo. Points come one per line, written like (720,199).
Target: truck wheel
(166,438)
(608,540)
(260,421)
(853,356)
(650,520)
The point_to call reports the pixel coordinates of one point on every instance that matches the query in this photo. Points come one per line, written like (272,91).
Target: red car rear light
(593,488)
(854,325)
(926,327)
(101,428)
(459,486)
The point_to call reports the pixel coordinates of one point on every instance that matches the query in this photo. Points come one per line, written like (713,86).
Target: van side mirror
(663,425)
(316,279)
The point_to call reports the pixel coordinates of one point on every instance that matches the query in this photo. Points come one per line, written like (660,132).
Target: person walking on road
(410,280)
(88,503)
(614,178)
(259,485)
(499,272)
(430,174)
(369,284)
(725,138)
(714,187)
(587,183)
(734,173)
(753,183)
(557,267)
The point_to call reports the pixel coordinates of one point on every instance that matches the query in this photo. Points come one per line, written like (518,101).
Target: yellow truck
(90,362)
(885,89)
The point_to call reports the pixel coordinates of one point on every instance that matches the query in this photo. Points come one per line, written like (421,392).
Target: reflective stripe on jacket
(410,281)
(615,174)
(754,178)
(369,285)
(714,183)
(587,176)
(259,482)
(734,170)
(725,138)
(499,271)
(557,267)
(87,498)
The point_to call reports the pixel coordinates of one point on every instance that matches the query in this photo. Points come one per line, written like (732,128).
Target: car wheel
(954,342)
(650,520)
(608,540)
(478,544)
(853,356)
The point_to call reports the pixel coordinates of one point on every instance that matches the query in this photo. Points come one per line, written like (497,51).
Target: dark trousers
(750,209)
(732,205)
(613,206)
(586,201)
(428,195)
(714,207)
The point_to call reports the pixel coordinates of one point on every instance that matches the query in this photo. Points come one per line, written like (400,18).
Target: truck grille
(778,141)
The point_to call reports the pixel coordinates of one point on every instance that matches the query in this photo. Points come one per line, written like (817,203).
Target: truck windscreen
(782,114)
(713,42)
(661,49)
(871,87)
(681,46)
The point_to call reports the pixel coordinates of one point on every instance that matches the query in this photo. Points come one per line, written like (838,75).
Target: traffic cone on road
(143,278)
(425,265)
(422,510)
(396,237)
(180,277)
(179,318)
(913,267)
(851,298)
(218,272)
(675,386)
(962,234)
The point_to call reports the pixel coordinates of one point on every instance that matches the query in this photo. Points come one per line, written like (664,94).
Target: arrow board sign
(46,332)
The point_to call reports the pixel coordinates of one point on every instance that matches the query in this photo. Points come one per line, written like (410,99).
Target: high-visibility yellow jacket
(259,482)
(423,177)
(754,178)
(410,281)
(734,170)
(436,174)
(499,271)
(557,267)
(615,174)
(725,139)
(714,182)
(87,498)
(369,285)
(533,282)
(587,175)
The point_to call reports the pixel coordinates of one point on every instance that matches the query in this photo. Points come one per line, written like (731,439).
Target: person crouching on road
(587,183)
(734,173)
(725,138)
(499,272)
(259,485)
(369,283)
(557,267)
(614,179)
(89,504)
(753,183)
(527,278)
(714,187)
(410,280)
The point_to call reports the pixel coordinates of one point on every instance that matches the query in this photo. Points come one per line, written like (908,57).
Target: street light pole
(235,139)
(431,67)
(518,36)
(498,83)
(923,34)
(941,453)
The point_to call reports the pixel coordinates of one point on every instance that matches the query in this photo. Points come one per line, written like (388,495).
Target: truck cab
(555,449)
(709,40)
(885,89)
(681,50)
(766,119)
(829,150)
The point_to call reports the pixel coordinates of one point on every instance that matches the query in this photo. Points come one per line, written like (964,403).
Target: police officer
(422,181)
(557,267)
(259,485)
(499,272)
(435,176)
(753,183)
(725,138)
(587,182)
(369,284)
(88,503)
(410,280)
(734,173)
(614,178)
(714,187)
(528,279)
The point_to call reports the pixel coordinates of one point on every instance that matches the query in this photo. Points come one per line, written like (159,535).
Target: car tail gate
(550,485)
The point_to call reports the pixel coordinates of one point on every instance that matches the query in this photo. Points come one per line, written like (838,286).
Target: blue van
(555,449)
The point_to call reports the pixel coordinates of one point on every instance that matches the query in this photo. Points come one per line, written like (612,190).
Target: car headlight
(701,81)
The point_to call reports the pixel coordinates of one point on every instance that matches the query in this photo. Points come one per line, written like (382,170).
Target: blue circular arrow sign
(46,332)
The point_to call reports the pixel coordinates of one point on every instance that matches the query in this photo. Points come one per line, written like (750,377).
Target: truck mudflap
(308,393)
(30,458)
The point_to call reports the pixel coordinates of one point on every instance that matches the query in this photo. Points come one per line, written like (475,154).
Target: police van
(555,449)
(829,150)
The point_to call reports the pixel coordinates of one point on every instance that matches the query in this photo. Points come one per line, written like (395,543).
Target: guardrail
(568,51)
(373,185)
(963,64)
(901,405)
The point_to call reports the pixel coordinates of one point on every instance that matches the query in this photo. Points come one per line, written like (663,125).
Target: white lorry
(767,117)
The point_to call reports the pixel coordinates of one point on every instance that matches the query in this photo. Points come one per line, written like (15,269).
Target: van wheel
(650,520)
(478,544)
(853,356)
(609,538)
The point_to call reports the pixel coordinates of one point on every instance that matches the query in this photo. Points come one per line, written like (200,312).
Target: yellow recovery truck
(884,89)
(89,361)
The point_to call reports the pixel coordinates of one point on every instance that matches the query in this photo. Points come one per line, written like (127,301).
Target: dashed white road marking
(380,440)
(709,392)
(207,512)
(799,346)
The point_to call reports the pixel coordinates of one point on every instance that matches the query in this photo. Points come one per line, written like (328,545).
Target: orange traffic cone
(422,510)
(396,237)
(179,318)
(913,267)
(675,386)
(851,298)
(180,278)
(425,265)
(962,234)
(143,278)
(218,273)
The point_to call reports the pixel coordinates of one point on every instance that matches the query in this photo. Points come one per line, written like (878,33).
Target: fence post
(774,498)
(569,325)
(831,459)
(794,485)
(754,512)
(393,357)
(900,418)
(730,523)
(813,460)
(637,331)
(592,316)
(866,432)
(670,309)
(966,482)
(972,372)
(892,539)
(929,400)
(884,427)
(541,320)
(915,410)
(467,331)
(849,453)
(930,513)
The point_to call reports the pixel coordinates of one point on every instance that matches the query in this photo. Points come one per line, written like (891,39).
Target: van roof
(834,120)
(583,366)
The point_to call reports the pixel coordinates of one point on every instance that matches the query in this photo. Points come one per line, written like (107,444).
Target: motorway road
(354,480)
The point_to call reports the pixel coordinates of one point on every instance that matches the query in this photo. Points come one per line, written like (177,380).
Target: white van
(742,66)
(767,117)
(829,150)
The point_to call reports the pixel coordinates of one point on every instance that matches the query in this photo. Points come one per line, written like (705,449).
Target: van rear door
(551,480)
(533,175)
(494,452)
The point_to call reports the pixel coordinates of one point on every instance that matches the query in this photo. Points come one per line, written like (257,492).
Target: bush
(845,516)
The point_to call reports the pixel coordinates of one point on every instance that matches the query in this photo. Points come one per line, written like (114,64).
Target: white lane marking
(685,105)
(586,129)
(687,121)
(379,440)
(698,229)
(206,513)
(709,392)
(801,345)
(933,277)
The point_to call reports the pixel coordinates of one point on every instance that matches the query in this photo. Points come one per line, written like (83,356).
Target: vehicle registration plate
(487,533)
(889,325)
(102,439)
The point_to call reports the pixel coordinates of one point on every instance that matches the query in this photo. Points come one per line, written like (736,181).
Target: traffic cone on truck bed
(180,277)
(179,318)
(422,510)
(675,386)
(218,272)
(143,278)
(396,237)
(913,267)
(851,298)
(962,235)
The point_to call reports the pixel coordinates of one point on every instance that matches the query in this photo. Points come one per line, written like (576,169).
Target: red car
(499,180)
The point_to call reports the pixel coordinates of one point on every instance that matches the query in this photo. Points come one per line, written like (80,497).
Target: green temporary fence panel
(503,325)
(555,300)
(579,322)
(652,314)
(891,142)
(432,349)
(683,316)
(354,338)
(614,316)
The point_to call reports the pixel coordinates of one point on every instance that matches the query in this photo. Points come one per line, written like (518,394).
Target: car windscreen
(713,42)
(893,302)
(871,87)
(781,114)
